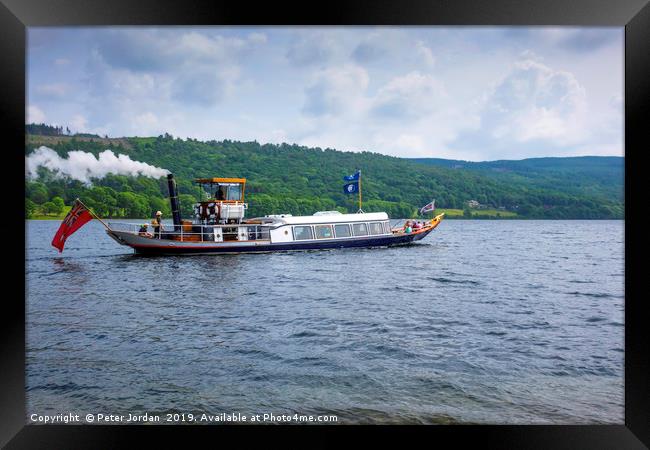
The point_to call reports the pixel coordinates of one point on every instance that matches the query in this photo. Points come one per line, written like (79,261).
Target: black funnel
(175,204)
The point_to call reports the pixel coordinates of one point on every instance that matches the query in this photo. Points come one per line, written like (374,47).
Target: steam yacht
(219,226)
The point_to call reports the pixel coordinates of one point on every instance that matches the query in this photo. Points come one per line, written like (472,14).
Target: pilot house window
(302,233)
(234,192)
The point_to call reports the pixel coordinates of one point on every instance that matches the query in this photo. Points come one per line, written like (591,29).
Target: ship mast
(360,210)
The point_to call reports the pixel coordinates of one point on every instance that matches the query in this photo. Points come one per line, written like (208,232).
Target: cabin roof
(220,180)
(334,218)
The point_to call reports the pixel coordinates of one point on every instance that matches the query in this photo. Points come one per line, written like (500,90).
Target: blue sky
(473,93)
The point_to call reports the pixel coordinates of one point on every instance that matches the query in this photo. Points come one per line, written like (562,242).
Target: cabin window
(324,231)
(359,229)
(234,192)
(302,233)
(342,230)
(376,228)
(387,227)
(225,191)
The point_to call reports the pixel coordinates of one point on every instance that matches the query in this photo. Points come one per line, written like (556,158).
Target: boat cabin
(329,225)
(222,201)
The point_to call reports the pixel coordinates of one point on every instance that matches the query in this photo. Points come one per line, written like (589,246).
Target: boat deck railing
(225,232)
(427,224)
(199,233)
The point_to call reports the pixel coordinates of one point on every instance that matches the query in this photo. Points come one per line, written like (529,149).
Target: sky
(468,93)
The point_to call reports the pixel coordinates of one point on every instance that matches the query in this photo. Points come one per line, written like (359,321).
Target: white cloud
(79,123)
(372,48)
(147,121)
(110,83)
(425,54)
(425,91)
(197,47)
(616,102)
(257,38)
(540,103)
(204,87)
(312,48)
(157,49)
(336,90)
(576,39)
(190,67)
(53,90)
(35,114)
(533,105)
(409,96)
(413,142)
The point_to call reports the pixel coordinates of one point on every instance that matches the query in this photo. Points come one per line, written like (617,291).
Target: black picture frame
(634,15)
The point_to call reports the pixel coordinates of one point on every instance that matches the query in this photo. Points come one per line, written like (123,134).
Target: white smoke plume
(83,166)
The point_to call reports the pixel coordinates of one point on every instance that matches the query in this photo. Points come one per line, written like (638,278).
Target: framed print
(414,217)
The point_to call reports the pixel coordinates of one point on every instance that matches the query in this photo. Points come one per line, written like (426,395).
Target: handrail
(218,225)
(206,233)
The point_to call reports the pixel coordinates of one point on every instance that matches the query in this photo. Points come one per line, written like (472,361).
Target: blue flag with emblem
(353,177)
(351,188)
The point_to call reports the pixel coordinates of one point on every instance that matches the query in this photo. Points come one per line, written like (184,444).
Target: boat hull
(145,245)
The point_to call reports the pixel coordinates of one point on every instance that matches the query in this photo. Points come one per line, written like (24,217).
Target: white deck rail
(205,233)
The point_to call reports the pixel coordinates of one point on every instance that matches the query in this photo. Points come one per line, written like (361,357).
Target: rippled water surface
(482,321)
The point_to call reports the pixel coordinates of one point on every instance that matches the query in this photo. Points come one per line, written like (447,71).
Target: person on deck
(417,225)
(407,227)
(157,224)
(144,230)
(221,193)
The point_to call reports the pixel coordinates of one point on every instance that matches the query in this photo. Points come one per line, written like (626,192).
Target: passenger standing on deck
(157,224)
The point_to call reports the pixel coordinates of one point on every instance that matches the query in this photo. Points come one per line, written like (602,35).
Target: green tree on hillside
(49,208)
(37,192)
(30,208)
(58,205)
(187,202)
(132,205)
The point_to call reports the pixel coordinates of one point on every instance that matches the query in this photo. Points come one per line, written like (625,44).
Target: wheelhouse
(222,189)
(222,201)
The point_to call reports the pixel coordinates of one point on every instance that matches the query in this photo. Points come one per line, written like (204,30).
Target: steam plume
(83,166)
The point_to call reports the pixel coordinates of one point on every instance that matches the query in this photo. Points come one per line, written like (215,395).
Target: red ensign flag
(75,219)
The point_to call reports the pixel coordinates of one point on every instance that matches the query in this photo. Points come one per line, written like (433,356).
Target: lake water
(482,322)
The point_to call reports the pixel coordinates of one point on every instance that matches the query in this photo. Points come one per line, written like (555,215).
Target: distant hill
(300,180)
(591,175)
